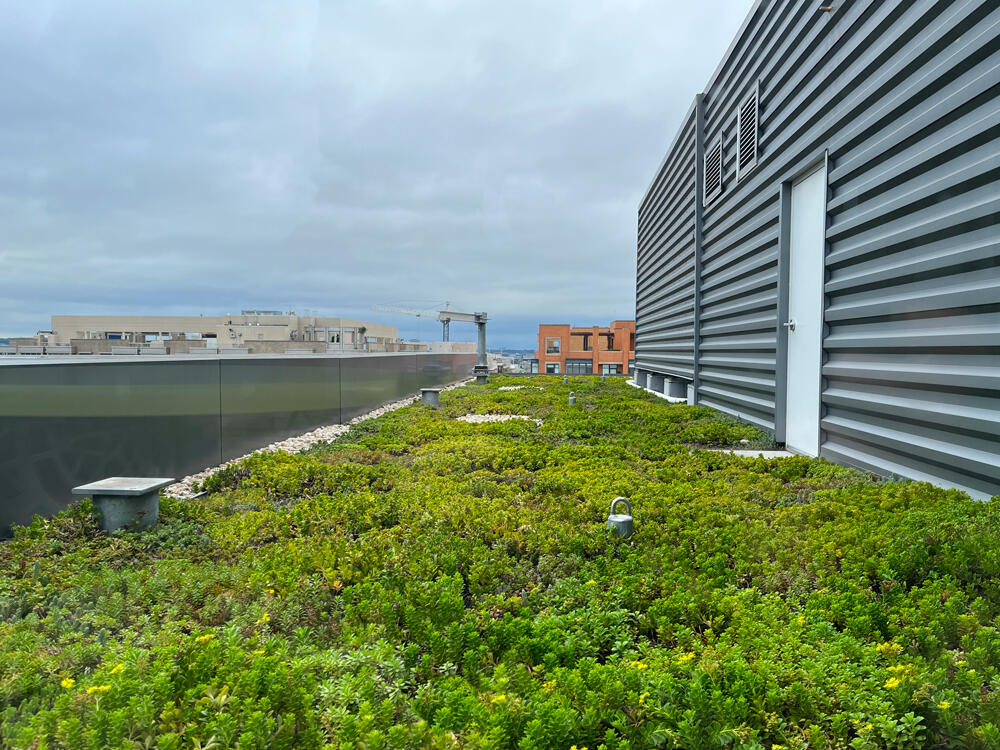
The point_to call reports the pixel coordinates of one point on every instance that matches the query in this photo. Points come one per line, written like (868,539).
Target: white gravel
(184,488)
(481,418)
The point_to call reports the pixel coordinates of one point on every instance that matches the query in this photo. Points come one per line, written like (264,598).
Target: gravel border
(480,418)
(184,490)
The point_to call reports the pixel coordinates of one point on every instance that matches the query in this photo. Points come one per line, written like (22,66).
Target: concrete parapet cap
(123,486)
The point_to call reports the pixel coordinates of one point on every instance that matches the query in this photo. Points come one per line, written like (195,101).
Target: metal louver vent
(713,172)
(747,135)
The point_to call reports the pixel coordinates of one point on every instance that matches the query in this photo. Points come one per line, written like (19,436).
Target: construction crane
(445,317)
(445,333)
(481,369)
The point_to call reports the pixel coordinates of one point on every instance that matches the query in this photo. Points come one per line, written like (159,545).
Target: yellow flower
(591,582)
(205,638)
(685,659)
(550,685)
(893,682)
(264,618)
(638,665)
(642,698)
(944,705)
(117,668)
(500,698)
(68,682)
(889,649)
(777,747)
(801,621)
(98,689)
(270,591)
(578,748)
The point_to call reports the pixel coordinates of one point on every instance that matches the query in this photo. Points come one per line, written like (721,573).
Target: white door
(806,266)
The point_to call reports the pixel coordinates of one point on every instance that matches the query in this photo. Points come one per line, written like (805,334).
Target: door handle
(790,325)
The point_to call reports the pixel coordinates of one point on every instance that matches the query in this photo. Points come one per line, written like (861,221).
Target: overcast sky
(205,157)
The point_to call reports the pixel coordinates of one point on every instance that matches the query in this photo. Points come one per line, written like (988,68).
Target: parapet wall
(67,422)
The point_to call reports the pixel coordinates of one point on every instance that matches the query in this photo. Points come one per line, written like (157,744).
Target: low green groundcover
(426,582)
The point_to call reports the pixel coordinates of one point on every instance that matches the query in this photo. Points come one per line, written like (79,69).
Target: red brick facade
(564,350)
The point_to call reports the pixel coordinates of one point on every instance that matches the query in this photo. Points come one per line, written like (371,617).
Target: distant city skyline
(409,327)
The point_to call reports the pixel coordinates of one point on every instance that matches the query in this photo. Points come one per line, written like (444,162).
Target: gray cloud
(204,157)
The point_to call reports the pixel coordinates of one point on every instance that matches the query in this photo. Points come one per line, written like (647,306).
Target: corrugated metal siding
(904,101)
(664,296)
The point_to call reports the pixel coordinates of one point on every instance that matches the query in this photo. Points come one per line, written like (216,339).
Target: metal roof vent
(747,134)
(713,172)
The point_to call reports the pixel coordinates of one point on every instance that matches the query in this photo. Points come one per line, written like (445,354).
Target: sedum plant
(430,583)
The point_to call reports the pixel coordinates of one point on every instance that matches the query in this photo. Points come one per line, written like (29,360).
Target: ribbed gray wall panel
(664,332)
(902,100)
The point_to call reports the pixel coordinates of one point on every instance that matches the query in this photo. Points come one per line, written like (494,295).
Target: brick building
(596,350)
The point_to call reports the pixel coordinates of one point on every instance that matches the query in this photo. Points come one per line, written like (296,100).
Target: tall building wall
(901,101)
(664,298)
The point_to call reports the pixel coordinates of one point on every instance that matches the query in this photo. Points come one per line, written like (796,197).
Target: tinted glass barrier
(68,422)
